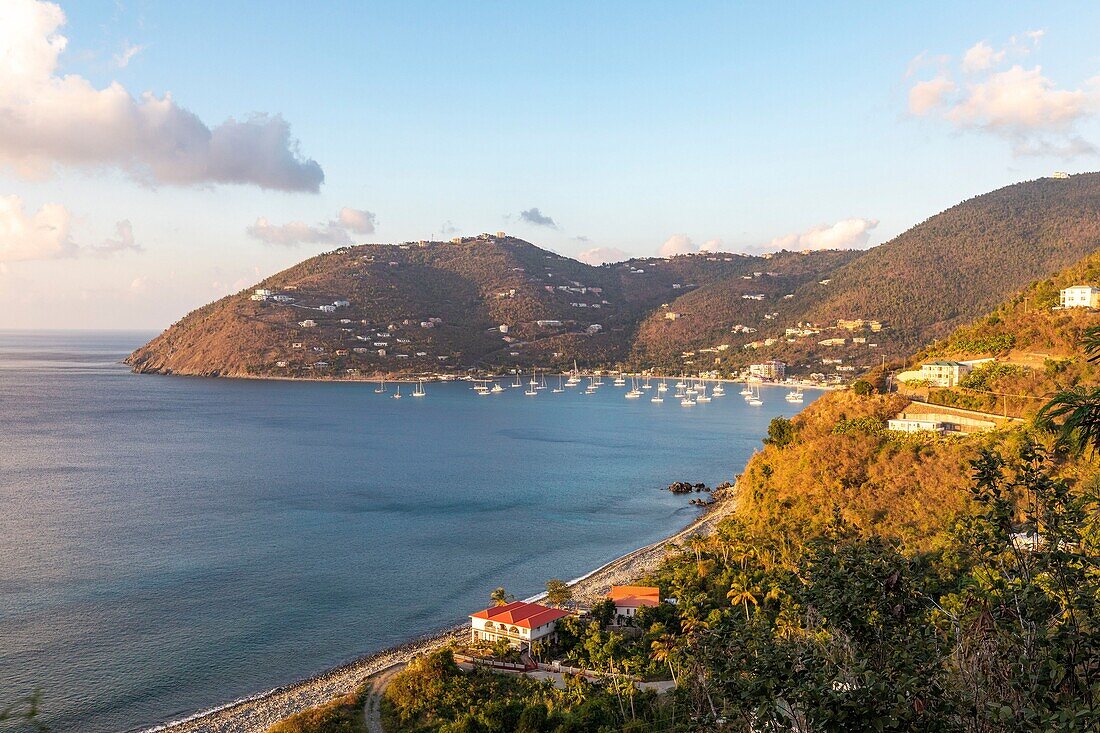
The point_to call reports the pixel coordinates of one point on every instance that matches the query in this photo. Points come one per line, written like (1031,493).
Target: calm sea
(168,544)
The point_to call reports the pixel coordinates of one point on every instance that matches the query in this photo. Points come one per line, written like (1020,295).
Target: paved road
(372,706)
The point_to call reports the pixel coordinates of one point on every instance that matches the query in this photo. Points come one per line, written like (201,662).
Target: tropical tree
(740,594)
(664,649)
(1073,414)
(501,597)
(558,592)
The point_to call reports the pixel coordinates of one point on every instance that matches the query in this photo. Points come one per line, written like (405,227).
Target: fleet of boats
(688,390)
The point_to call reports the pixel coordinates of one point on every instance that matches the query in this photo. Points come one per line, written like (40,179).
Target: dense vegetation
(342,715)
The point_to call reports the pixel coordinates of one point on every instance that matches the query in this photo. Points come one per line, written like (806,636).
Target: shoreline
(255,713)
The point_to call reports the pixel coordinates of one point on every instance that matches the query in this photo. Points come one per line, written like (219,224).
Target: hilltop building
(1080,296)
(519,623)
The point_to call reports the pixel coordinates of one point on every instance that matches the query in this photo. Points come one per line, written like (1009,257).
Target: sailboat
(496,388)
(687,401)
(591,389)
(574,376)
(754,398)
(634,392)
(647,385)
(381,388)
(702,394)
(560,388)
(418,390)
(397,394)
(518,382)
(746,390)
(718,390)
(662,387)
(795,395)
(532,386)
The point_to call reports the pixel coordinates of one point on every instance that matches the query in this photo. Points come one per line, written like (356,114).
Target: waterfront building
(519,623)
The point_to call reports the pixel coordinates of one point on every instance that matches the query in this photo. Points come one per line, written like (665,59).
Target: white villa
(944,373)
(518,622)
(629,598)
(308,323)
(1080,296)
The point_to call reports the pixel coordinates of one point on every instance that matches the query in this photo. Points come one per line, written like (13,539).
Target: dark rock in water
(681,487)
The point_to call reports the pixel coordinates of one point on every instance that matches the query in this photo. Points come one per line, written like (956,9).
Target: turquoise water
(168,544)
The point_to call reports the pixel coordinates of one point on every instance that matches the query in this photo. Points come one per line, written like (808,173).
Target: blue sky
(628,124)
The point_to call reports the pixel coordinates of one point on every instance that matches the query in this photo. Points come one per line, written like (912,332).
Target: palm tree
(1074,415)
(1090,339)
(664,649)
(501,597)
(741,594)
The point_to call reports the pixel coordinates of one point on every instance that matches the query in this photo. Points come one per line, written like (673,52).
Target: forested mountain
(495,302)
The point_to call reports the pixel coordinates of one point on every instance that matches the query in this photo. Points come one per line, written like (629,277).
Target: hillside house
(629,598)
(944,373)
(1080,296)
(833,342)
(308,323)
(519,623)
(263,292)
(548,323)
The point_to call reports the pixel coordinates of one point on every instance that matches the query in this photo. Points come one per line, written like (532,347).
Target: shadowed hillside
(496,302)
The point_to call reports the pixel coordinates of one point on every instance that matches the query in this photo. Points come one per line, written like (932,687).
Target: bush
(342,715)
(781,432)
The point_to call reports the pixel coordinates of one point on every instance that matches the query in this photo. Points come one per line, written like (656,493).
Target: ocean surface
(168,544)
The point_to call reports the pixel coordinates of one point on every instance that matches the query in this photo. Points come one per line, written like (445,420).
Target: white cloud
(336,232)
(127,54)
(359,221)
(712,245)
(48,120)
(1018,104)
(44,235)
(602,255)
(47,234)
(981,56)
(927,95)
(677,244)
(851,233)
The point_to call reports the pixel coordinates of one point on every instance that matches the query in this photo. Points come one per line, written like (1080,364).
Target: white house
(263,292)
(308,323)
(327,308)
(903,424)
(629,598)
(341,303)
(1080,296)
(519,623)
(944,373)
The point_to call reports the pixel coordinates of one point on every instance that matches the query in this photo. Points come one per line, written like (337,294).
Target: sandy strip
(258,712)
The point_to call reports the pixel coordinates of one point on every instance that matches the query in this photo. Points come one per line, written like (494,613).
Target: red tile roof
(524,615)
(633,596)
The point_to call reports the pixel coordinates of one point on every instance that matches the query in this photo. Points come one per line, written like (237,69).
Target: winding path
(372,704)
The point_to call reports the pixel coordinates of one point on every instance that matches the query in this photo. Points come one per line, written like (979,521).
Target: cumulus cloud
(925,96)
(677,244)
(851,233)
(47,120)
(359,221)
(336,232)
(981,56)
(536,217)
(1005,98)
(712,245)
(47,234)
(602,255)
